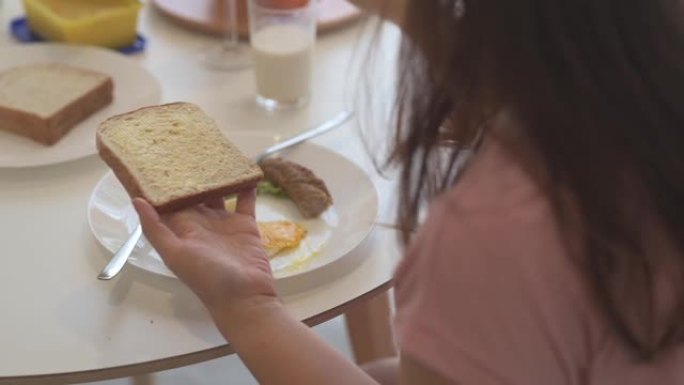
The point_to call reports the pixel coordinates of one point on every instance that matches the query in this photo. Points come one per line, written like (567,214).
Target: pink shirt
(488,295)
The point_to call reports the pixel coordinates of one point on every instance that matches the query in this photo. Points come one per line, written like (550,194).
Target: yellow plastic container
(107,23)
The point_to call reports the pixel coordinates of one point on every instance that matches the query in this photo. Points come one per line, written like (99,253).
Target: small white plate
(134,87)
(320,256)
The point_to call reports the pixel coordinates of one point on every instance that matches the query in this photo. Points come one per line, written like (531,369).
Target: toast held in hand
(174,156)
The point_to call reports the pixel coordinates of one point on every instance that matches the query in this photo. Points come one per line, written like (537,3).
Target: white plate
(331,237)
(133,87)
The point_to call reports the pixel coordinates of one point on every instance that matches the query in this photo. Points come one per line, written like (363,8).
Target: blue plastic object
(21,31)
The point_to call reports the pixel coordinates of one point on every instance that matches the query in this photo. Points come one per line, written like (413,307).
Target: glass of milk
(282,36)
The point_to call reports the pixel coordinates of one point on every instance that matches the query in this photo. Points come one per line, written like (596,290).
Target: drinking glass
(282,36)
(230,55)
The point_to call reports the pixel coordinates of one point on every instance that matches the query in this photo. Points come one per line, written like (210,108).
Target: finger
(215,203)
(209,215)
(159,235)
(184,221)
(246,202)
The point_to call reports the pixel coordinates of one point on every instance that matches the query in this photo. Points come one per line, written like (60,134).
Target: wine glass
(230,55)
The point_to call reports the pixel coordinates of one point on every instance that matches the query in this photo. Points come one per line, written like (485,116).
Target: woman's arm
(279,349)
(219,255)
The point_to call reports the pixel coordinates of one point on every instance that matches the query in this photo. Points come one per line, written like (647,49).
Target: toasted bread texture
(173,156)
(44,101)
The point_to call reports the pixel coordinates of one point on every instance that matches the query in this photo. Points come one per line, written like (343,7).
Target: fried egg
(291,241)
(280,235)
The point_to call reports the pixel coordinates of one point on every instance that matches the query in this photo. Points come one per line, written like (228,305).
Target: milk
(283,56)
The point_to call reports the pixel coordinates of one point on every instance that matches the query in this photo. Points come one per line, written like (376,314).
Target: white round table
(59,324)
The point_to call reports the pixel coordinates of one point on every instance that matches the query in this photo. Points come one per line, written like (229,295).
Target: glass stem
(230,40)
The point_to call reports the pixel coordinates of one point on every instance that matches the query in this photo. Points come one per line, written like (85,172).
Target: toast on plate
(44,101)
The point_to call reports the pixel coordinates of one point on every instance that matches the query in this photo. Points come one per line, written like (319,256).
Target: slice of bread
(173,156)
(44,101)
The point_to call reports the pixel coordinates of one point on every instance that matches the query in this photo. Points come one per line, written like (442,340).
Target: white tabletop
(59,323)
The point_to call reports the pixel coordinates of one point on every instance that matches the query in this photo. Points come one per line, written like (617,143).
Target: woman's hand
(218,254)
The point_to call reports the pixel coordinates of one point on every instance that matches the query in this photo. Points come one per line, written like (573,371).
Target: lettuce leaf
(268,188)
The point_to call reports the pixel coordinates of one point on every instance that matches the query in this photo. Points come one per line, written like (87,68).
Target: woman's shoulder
(495,201)
(499,218)
(491,260)
(495,182)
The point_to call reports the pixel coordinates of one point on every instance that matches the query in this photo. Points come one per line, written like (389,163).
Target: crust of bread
(204,196)
(23,123)
(66,118)
(134,189)
(49,131)
(120,170)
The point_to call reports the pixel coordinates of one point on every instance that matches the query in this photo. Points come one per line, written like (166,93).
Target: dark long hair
(597,87)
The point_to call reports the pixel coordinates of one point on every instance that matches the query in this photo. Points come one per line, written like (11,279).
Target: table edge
(176,361)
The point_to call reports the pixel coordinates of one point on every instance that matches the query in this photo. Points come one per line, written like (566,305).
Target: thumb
(159,235)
